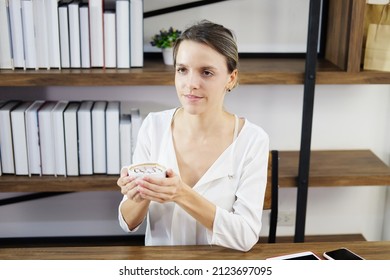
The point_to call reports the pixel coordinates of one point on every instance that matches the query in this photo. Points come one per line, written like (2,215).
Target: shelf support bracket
(307,118)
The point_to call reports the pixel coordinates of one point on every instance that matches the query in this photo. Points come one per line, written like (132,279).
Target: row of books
(66,138)
(45,34)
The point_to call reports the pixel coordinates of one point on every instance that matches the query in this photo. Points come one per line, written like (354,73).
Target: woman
(215,184)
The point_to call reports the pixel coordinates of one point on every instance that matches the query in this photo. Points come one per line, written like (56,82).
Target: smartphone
(342,254)
(308,255)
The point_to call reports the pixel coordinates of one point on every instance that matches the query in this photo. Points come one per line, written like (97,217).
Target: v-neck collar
(222,166)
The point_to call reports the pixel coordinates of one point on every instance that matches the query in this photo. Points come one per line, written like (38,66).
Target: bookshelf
(335,68)
(253,71)
(341,64)
(327,169)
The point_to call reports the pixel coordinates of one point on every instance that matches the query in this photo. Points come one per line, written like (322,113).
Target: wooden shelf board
(36,183)
(336,168)
(253,71)
(328,169)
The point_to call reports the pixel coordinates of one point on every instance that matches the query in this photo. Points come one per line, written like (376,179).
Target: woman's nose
(193,80)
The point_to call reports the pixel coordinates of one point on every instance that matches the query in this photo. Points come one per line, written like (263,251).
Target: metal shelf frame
(307,118)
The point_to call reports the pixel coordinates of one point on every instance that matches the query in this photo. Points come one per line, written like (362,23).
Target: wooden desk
(368,250)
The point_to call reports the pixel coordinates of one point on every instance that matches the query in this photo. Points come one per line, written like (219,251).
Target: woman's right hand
(128,186)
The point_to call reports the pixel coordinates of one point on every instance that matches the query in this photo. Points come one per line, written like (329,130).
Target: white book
(32,133)
(2,102)
(17,33)
(125,139)
(57,117)
(6,143)
(19,138)
(113,137)
(46,138)
(41,38)
(84,37)
(99,137)
(53,33)
(5,37)
(109,39)
(96,32)
(71,139)
(136,33)
(30,53)
(84,129)
(122,10)
(64,34)
(74,34)
(136,122)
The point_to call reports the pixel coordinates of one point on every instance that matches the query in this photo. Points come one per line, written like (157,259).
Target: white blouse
(235,183)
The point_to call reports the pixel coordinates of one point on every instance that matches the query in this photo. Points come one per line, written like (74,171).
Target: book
(2,102)
(71,139)
(30,53)
(5,37)
(136,122)
(53,33)
(99,137)
(84,36)
(122,11)
(136,33)
(6,143)
(109,39)
(113,138)
(19,138)
(40,31)
(16,33)
(64,33)
(32,133)
(74,34)
(46,140)
(57,116)
(96,32)
(84,129)
(125,139)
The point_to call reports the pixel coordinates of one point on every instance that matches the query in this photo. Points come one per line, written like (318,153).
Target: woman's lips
(192,97)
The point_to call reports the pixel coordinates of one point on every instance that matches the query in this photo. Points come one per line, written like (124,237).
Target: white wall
(345,117)
(280,26)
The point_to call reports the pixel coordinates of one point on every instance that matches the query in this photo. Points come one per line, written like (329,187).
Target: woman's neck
(202,124)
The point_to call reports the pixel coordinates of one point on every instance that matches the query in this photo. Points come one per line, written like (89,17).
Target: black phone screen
(343,254)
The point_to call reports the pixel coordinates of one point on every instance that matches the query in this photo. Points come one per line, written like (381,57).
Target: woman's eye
(180,70)
(207,73)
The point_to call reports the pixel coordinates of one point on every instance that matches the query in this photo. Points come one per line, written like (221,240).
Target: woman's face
(201,78)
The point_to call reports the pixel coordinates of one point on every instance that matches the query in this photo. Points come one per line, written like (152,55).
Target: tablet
(307,255)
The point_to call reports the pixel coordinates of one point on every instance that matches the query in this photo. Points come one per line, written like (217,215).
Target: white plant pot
(168,56)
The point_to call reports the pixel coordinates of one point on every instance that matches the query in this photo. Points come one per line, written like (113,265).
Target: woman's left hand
(161,189)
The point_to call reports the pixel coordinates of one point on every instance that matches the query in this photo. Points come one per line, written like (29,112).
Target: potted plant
(165,40)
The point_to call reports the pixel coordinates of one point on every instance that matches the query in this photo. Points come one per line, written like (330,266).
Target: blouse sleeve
(240,228)
(141,154)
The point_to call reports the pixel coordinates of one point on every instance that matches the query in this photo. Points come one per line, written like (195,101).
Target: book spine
(136,33)
(123,33)
(109,40)
(96,26)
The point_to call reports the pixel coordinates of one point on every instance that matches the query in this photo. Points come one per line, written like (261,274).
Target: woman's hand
(161,189)
(128,186)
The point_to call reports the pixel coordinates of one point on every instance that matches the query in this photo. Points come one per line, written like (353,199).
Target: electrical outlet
(286,218)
